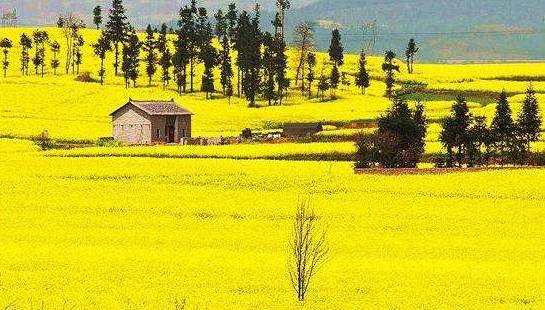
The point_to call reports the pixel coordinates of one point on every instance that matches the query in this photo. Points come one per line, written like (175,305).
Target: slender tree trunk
(67,63)
(116,64)
(102,71)
(191,73)
(5,61)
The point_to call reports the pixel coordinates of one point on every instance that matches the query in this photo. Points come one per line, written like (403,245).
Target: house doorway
(170,130)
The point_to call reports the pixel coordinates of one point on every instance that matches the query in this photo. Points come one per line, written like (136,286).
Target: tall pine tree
(529,120)
(311,63)
(502,128)
(26,44)
(100,48)
(149,46)
(362,77)
(336,55)
(410,53)
(390,67)
(131,59)
(97,16)
(117,28)
(165,60)
(5,45)
(222,32)
(55,49)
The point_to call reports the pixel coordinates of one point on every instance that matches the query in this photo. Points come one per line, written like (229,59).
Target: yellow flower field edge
(343,151)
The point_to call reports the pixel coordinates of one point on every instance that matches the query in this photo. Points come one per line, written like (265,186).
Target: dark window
(158,133)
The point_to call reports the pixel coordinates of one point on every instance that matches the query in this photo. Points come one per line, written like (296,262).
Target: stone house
(151,122)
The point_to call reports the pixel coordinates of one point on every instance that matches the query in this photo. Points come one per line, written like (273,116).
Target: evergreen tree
(149,46)
(78,55)
(280,65)
(207,52)
(165,61)
(323,85)
(334,80)
(249,58)
(198,17)
(282,6)
(400,136)
(184,46)
(422,125)
(117,28)
(311,63)
(26,44)
(55,49)
(390,67)
(336,55)
(231,18)
(189,31)
(222,32)
(454,135)
(477,139)
(5,45)
(529,120)
(97,16)
(502,128)
(40,39)
(410,53)
(345,81)
(269,89)
(362,77)
(131,59)
(336,50)
(241,46)
(208,55)
(100,49)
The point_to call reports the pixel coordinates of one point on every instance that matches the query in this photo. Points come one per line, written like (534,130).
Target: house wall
(132,126)
(159,124)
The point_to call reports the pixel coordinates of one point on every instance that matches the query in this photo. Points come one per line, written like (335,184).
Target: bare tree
(304,42)
(308,249)
(70,23)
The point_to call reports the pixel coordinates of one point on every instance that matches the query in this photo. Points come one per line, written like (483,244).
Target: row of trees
(261,59)
(471,142)
(468,139)
(40,41)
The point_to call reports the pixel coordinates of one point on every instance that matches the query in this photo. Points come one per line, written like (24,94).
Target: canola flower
(73,110)
(147,233)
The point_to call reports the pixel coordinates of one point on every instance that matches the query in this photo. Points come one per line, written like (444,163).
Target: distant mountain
(446,29)
(142,12)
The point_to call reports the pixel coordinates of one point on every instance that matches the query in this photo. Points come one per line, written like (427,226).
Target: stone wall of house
(132,126)
(159,123)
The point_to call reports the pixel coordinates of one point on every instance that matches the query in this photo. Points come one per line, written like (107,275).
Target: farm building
(301,130)
(151,122)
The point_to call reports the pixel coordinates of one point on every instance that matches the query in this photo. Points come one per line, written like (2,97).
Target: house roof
(157,107)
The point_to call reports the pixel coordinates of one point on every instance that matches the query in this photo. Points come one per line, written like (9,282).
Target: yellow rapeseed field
(143,233)
(80,111)
(152,227)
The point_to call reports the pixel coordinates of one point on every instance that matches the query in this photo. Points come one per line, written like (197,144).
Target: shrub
(85,77)
(43,140)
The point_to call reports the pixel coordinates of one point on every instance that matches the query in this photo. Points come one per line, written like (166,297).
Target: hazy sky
(141,11)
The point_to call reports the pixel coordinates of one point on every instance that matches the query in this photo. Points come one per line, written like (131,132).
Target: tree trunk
(116,63)
(191,73)
(102,71)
